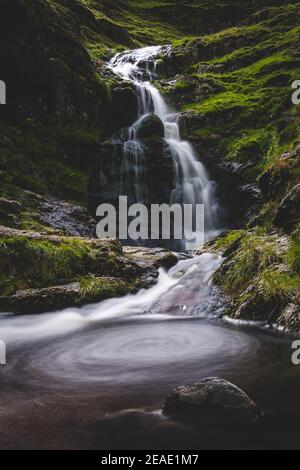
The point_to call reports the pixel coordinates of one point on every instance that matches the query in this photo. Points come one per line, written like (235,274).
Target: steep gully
(66,369)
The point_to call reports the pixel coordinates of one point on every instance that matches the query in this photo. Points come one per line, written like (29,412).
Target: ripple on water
(141,351)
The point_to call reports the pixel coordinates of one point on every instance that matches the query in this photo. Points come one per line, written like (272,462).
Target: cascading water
(192,185)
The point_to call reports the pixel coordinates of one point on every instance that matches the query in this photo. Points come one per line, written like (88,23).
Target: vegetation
(30,261)
(252,111)
(233,82)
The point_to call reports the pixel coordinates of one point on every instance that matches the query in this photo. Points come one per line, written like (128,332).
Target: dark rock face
(123,109)
(107,183)
(49,74)
(289,320)
(289,209)
(150,126)
(257,308)
(274,180)
(212,400)
(9,211)
(73,220)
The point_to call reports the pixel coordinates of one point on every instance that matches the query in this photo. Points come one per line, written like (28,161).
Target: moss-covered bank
(42,272)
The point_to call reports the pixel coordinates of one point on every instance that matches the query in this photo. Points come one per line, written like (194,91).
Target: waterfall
(192,185)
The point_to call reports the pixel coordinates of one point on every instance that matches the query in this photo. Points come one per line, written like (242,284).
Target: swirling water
(67,369)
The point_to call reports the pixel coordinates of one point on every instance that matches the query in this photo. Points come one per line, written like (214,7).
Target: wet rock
(273,182)
(9,211)
(251,191)
(123,109)
(151,257)
(257,307)
(108,182)
(150,126)
(177,60)
(72,219)
(289,319)
(239,196)
(212,400)
(34,301)
(31,301)
(289,209)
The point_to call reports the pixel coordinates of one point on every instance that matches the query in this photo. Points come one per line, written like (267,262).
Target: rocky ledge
(48,272)
(260,275)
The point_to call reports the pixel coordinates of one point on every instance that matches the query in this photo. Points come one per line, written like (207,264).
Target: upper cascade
(191,185)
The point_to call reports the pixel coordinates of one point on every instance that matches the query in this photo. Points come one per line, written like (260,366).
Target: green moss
(93,288)
(266,214)
(255,253)
(34,262)
(226,241)
(53,161)
(272,284)
(252,113)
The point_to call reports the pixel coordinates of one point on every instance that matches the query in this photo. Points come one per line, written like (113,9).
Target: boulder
(289,209)
(212,400)
(150,126)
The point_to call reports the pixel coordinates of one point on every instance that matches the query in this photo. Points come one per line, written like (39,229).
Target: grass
(261,271)
(252,112)
(255,253)
(102,288)
(34,262)
(293,254)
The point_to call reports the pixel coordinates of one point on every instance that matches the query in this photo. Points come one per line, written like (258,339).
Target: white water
(192,185)
(155,301)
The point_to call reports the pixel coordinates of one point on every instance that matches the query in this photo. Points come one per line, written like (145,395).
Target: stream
(67,370)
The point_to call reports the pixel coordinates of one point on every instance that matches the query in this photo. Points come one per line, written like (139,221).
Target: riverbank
(43,272)
(86,369)
(260,276)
